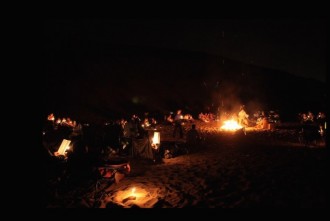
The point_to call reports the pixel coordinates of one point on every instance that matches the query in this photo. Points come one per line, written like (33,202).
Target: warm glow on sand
(133,191)
(231,125)
(135,195)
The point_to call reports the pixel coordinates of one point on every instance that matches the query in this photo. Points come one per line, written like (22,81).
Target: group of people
(121,133)
(309,117)
(177,121)
(192,136)
(61,122)
(207,117)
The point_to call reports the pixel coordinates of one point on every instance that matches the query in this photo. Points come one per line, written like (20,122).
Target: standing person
(178,123)
(193,138)
(243,117)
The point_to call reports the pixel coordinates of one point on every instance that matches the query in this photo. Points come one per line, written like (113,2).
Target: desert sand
(227,170)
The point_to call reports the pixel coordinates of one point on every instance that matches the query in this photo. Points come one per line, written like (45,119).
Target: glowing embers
(231,125)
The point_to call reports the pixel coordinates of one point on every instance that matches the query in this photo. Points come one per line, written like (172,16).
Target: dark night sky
(297,46)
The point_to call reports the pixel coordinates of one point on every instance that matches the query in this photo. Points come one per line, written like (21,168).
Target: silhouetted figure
(178,123)
(310,117)
(193,138)
(243,117)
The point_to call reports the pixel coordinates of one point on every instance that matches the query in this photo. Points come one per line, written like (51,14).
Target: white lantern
(156,140)
(65,145)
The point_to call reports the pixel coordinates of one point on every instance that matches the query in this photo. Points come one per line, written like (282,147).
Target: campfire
(230,125)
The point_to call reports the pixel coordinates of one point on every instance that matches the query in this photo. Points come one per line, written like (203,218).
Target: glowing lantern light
(156,140)
(51,117)
(64,146)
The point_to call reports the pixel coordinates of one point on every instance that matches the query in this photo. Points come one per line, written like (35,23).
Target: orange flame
(133,191)
(231,125)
